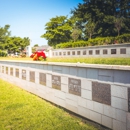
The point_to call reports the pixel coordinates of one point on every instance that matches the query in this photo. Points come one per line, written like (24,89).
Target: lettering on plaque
(2,69)
(11,71)
(101,92)
(6,70)
(32,76)
(128,99)
(56,82)
(74,86)
(17,73)
(24,74)
(42,78)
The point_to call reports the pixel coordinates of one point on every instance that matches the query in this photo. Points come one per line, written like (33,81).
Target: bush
(3,54)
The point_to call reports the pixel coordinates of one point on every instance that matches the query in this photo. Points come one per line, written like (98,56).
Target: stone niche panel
(42,78)
(101,92)
(74,86)
(128,99)
(11,71)
(56,82)
(24,74)
(17,73)
(6,70)
(32,76)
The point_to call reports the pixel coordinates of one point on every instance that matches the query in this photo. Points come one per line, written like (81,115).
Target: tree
(76,32)
(58,30)
(4,34)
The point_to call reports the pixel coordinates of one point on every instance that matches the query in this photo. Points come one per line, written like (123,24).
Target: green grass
(20,110)
(107,61)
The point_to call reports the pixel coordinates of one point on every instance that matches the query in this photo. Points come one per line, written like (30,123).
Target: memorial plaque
(123,51)
(17,73)
(84,52)
(42,78)
(90,52)
(11,71)
(2,69)
(74,86)
(101,92)
(32,76)
(104,51)
(73,52)
(78,52)
(56,82)
(97,52)
(68,52)
(128,99)
(113,51)
(24,74)
(6,70)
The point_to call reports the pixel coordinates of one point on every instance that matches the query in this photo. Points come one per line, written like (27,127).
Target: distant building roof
(44,47)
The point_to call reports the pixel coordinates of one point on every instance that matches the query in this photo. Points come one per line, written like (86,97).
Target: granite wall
(100,93)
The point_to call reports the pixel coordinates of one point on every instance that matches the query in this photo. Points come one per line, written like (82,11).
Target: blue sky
(27,18)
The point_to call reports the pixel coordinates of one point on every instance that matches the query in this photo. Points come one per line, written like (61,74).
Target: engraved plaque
(78,52)
(84,52)
(2,69)
(90,52)
(17,73)
(97,52)
(24,74)
(73,52)
(101,92)
(42,78)
(6,70)
(113,51)
(68,53)
(11,71)
(104,51)
(32,76)
(74,86)
(56,82)
(128,99)
(123,51)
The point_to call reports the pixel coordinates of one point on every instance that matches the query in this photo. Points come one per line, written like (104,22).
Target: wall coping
(78,64)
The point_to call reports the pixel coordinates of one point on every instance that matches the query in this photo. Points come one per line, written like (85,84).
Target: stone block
(109,111)
(98,107)
(64,80)
(60,94)
(49,83)
(65,70)
(107,121)
(95,117)
(128,120)
(119,91)
(120,103)
(117,125)
(49,77)
(84,112)
(121,115)
(64,88)
(73,71)
(82,72)
(82,102)
(90,104)
(92,74)
(86,94)
(86,84)
(71,97)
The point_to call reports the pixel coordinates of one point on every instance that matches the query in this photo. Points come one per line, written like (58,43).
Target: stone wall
(115,50)
(100,93)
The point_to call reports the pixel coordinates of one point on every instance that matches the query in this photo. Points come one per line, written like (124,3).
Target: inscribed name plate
(101,92)
(74,86)
(32,76)
(42,78)
(128,99)
(17,72)
(24,74)
(11,71)
(56,82)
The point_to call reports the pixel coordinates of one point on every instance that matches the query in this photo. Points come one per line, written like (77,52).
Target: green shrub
(3,54)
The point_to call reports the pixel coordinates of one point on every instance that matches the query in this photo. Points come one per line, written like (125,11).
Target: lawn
(108,61)
(20,110)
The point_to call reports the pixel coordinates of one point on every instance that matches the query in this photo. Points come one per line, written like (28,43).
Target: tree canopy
(95,18)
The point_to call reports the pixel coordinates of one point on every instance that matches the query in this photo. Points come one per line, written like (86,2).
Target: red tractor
(38,54)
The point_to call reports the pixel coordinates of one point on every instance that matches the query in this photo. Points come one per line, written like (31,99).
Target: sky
(27,18)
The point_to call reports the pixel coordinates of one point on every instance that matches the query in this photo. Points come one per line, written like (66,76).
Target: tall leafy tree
(58,30)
